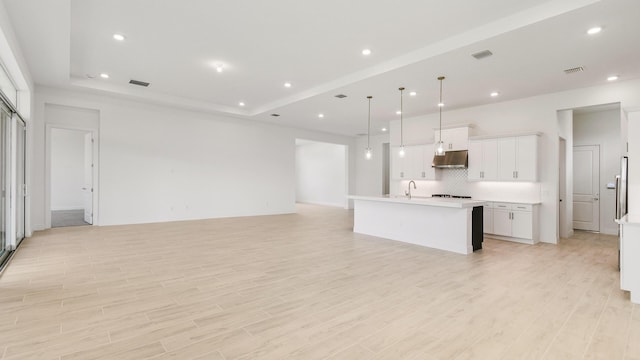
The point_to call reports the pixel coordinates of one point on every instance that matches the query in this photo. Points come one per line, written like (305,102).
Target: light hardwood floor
(304,286)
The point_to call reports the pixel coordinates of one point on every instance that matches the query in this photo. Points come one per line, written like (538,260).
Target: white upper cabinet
(398,164)
(423,157)
(513,158)
(518,158)
(415,165)
(454,138)
(507,159)
(483,159)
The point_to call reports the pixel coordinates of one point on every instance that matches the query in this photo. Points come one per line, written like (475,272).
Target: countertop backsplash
(454,181)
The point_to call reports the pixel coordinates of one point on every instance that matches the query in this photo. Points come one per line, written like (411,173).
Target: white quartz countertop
(629,220)
(514,202)
(424,201)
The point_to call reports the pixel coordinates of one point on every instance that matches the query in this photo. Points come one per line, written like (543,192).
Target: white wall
(370,182)
(602,128)
(67,169)
(539,113)
(634,162)
(321,173)
(565,131)
(15,64)
(160,163)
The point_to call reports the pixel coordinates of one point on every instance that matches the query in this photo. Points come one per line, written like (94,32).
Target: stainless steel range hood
(452,160)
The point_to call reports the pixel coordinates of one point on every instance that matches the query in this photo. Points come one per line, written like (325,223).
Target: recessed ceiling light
(440,104)
(320,116)
(384,129)
(219,68)
(287,85)
(104,76)
(612,78)
(241,103)
(494,94)
(366,52)
(413,93)
(398,112)
(594,30)
(118,37)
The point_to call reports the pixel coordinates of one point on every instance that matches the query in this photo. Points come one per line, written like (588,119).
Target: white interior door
(586,185)
(87,188)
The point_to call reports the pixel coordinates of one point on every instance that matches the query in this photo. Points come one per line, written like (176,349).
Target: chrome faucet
(408,193)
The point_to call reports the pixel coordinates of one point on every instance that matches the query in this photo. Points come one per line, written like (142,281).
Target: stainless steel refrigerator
(622,197)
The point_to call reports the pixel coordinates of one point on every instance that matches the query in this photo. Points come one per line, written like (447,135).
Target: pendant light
(401,153)
(440,144)
(368,151)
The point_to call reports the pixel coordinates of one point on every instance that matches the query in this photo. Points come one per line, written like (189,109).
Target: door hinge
(24,190)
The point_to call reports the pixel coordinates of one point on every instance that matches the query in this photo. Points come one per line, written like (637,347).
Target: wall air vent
(139,83)
(573,70)
(482,54)
(275,115)
(341,96)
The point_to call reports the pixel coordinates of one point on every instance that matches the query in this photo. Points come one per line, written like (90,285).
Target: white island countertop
(424,201)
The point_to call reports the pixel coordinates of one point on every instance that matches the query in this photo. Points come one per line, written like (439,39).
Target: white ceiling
(316,45)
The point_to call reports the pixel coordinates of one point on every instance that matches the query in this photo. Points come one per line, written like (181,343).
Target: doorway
(71,177)
(82,127)
(321,173)
(595,152)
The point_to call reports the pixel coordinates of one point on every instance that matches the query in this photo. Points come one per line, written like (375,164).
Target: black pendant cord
(440,105)
(369,125)
(401,114)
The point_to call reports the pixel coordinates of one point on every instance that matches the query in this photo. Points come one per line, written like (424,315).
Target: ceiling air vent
(573,70)
(275,115)
(139,83)
(482,54)
(341,96)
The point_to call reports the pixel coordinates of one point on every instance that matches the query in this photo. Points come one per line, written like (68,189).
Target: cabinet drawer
(522,207)
(512,206)
(506,206)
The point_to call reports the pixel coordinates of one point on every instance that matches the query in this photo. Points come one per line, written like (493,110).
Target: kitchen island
(440,223)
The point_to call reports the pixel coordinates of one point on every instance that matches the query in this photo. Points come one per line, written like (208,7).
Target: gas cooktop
(451,196)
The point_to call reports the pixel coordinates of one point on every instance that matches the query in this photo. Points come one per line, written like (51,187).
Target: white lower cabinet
(629,255)
(513,221)
(487,220)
